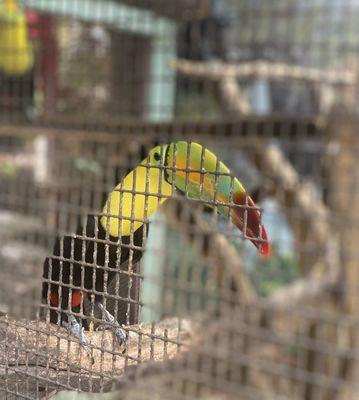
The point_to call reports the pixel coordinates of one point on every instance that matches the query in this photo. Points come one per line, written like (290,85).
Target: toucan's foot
(110,323)
(79,332)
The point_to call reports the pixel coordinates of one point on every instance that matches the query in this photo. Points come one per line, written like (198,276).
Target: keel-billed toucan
(83,264)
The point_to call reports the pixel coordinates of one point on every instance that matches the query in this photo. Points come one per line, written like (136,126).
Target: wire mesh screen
(179,199)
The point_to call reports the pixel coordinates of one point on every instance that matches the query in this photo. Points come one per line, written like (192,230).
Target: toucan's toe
(121,335)
(79,332)
(110,323)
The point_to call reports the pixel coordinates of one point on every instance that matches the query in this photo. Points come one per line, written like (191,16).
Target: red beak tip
(265,250)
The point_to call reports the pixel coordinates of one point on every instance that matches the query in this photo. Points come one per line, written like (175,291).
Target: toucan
(108,244)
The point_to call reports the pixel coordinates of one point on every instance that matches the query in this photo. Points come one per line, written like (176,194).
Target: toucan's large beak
(191,169)
(199,174)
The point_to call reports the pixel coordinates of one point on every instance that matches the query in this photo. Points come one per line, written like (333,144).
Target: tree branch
(263,69)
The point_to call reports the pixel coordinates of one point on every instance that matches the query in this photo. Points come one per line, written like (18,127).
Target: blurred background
(116,59)
(87,87)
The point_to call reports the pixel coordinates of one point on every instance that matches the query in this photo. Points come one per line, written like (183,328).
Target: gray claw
(120,334)
(110,323)
(79,332)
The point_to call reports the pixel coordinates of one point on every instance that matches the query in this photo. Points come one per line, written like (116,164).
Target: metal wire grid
(303,352)
(305,347)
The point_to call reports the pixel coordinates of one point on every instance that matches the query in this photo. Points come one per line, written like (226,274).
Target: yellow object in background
(16,50)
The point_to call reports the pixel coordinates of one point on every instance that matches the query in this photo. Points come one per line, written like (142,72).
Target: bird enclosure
(179,199)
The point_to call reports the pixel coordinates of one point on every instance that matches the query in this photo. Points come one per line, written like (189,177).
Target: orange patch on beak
(195,178)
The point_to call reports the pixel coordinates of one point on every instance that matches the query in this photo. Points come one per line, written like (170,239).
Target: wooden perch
(44,355)
(263,69)
(231,95)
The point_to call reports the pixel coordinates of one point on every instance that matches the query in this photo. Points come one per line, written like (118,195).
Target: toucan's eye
(157,156)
